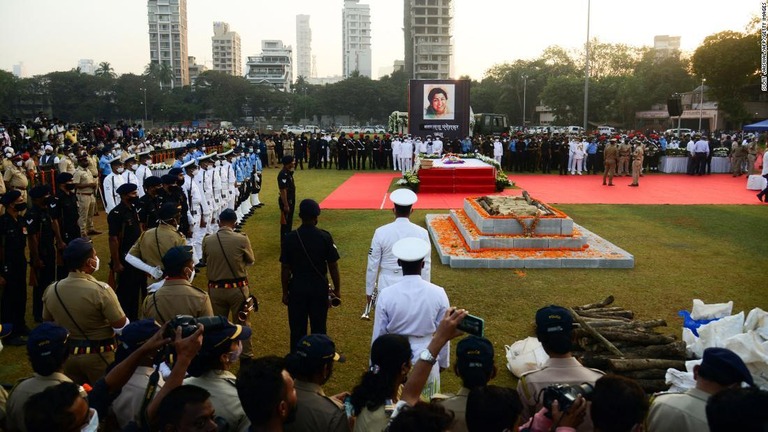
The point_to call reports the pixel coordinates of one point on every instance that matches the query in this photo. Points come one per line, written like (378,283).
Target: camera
(565,395)
(189,324)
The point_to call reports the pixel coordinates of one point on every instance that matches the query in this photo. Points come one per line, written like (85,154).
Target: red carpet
(369,191)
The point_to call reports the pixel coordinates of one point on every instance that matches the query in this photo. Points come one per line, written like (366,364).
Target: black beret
(39,191)
(177,257)
(152,181)
(63,177)
(126,188)
(77,249)
(168,210)
(287,159)
(309,208)
(175,171)
(10,197)
(228,215)
(168,179)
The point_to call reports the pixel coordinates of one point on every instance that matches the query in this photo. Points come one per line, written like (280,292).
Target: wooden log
(594,333)
(604,322)
(614,324)
(646,374)
(594,361)
(674,350)
(606,301)
(628,314)
(640,338)
(624,365)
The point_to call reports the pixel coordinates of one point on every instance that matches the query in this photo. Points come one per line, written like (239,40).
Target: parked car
(574,130)
(606,130)
(674,132)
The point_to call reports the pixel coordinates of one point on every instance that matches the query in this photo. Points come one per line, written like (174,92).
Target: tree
(161,73)
(730,61)
(105,70)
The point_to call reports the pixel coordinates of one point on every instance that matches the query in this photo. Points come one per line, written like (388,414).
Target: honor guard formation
(153,348)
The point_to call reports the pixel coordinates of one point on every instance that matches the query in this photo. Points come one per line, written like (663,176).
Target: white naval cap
(411,249)
(115,159)
(403,197)
(188,164)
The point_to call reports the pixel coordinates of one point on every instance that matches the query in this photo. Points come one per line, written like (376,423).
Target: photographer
(554,329)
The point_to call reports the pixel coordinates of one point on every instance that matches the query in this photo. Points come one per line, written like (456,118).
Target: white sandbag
(756,182)
(702,310)
(757,320)
(715,333)
(680,381)
(525,355)
(749,346)
(693,346)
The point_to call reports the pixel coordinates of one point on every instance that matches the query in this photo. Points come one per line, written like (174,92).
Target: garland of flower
(529,230)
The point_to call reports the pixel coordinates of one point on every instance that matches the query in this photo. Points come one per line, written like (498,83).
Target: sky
(52,35)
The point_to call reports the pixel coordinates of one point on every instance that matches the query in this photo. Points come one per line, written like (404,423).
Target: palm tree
(105,70)
(160,72)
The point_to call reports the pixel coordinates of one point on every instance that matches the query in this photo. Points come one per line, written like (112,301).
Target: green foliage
(730,61)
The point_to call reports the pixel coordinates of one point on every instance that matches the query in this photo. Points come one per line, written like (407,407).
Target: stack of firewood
(609,338)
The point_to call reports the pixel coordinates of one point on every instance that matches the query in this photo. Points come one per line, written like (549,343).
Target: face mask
(232,356)
(93,423)
(218,163)
(194,172)
(120,170)
(202,148)
(133,167)
(180,182)
(133,199)
(192,276)
(96,266)
(20,207)
(19,163)
(70,186)
(209,168)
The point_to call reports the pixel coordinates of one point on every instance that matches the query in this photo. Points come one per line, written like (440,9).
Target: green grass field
(715,253)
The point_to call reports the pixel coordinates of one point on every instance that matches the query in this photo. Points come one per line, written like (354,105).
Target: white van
(574,130)
(606,130)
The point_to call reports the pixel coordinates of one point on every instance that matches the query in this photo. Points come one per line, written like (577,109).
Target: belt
(228,283)
(392,271)
(79,347)
(84,193)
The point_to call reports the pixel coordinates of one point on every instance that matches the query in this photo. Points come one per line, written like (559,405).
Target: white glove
(155,272)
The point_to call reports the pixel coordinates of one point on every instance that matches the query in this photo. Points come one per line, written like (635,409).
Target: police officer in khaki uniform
(147,253)
(210,370)
(227,253)
(625,150)
(177,296)
(89,309)
(611,156)
(475,367)
(15,177)
(47,350)
(554,327)
(720,369)
(85,187)
(637,164)
(311,365)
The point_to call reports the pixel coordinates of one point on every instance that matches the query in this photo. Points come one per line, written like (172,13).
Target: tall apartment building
(356,38)
(226,50)
(274,66)
(168,37)
(303,47)
(665,45)
(428,38)
(86,66)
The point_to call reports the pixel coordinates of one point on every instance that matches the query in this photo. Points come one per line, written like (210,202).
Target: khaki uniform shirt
(679,412)
(611,153)
(23,390)
(221,385)
(555,371)
(372,421)
(16,178)
(127,406)
(234,247)
(316,411)
(83,176)
(457,404)
(176,297)
(154,243)
(91,303)
(93,165)
(625,150)
(30,165)
(66,165)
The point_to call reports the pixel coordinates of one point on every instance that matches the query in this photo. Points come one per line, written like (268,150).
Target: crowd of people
(150,350)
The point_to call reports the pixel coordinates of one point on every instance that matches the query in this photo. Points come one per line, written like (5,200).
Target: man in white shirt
(383,270)
(437,146)
(143,171)
(199,212)
(700,153)
(691,156)
(129,174)
(396,146)
(414,307)
(498,150)
(112,182)
(406,155)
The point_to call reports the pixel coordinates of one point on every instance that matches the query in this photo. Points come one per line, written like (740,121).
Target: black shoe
(260,205)
(760,196)
(200,265)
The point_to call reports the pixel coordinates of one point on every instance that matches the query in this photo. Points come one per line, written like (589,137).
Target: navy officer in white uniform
(382,264)
(414,307)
